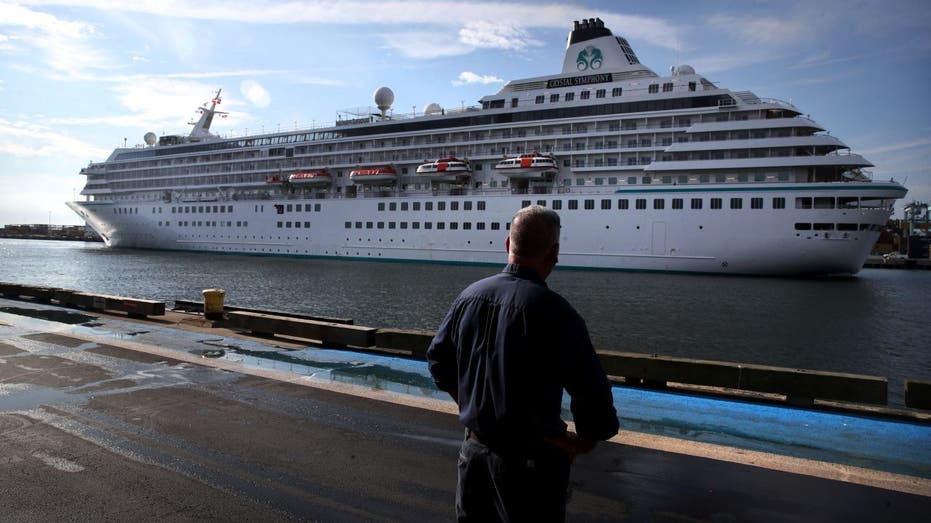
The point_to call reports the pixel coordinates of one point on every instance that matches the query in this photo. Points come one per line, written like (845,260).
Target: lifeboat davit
(382,174)
(316,177)
(528,166)
(445,169)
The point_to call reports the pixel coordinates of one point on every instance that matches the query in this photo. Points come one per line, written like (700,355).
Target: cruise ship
(648,173)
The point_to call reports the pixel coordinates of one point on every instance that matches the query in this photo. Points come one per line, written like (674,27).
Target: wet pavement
(103,418)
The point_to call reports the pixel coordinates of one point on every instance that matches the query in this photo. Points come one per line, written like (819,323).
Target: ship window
(580,181)
(589,204)
(716,203)
(570,97)
(358,225)
(554,97)
(467,226)
(623,204)
(466,206)
(600,93)
(654,88)
(573,204)
(507,226)
(403,206)
(481,205)
(404,225)
(541,203)
(802,226)
(720,178)
(215,208)
(415,225)
(392,206)
(641,203)
(677,203)
(524,203)
(605,204)
(696,203)
(381,206)
(441,206)
(824,203)
(440,225)
(453,226)
(480,226)
(280,224)
(647,180)
(692,86)
(779,203)
(848,202)
(823,226)
(803,202)
(381,225)
(659,203)
(200,208)
(667,87)
(742,178)
(453,206)
(737,203)
(495,226)
(759,177)
(514,102)
(756,203)
(599,181)
(584,95)
(297,225)
(617,91)
(666,179)
(540,99)
(846,226)
(391,225)
(556,204)
(428,206)
(416,206)
(427,225)
(369,225)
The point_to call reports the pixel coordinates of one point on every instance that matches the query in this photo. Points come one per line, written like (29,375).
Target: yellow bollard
(213,303)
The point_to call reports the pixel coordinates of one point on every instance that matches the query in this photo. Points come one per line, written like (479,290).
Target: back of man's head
(534,231)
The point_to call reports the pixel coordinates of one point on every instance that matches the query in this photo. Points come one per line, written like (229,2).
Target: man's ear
(507,244)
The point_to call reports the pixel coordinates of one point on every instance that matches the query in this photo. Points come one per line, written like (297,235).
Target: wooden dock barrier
(68,298)
(326,332)
(131,306)
(799,386)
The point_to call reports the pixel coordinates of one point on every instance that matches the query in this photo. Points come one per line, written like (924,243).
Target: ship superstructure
(648,172)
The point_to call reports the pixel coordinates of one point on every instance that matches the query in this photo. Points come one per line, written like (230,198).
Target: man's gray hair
(534,230)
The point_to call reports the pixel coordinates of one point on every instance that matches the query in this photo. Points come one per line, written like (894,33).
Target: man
(505,352)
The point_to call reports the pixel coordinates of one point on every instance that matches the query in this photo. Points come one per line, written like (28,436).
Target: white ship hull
(722,241)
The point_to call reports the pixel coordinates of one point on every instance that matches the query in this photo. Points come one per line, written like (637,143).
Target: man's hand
(572,444)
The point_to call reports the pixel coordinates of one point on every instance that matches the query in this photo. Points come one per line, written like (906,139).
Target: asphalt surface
(103,430)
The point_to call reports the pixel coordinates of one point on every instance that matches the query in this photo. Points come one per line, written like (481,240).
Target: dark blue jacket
(506,350)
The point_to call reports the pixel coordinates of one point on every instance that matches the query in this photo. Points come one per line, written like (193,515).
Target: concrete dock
(109,418)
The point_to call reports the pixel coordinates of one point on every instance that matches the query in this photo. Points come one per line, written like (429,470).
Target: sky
(79,78)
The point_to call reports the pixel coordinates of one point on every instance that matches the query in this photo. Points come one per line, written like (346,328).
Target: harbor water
(875,323)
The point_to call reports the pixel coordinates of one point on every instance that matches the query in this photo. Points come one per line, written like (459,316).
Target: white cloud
(468,77)
(425,44)
(31,140)
(255,93)
(495,35)
(67,46)
(921,142)
(763,30)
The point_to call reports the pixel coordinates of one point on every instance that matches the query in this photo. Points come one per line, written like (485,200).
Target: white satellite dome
(150,138)
(432,108)
(384,97)
(685,69)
